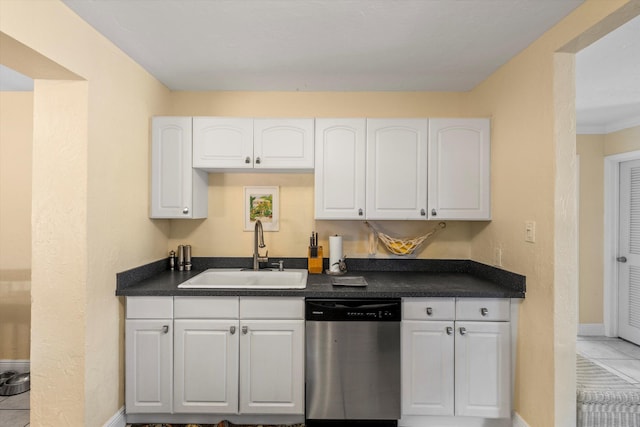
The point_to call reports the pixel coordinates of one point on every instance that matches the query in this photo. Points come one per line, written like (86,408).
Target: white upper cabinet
(222,142)
(177,190)
(340,168)
(396,168)
(459,169)
(227,143)
(283,143)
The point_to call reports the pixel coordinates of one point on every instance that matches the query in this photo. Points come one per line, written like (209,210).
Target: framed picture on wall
(261,203)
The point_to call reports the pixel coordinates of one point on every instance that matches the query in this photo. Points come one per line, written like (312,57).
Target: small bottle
(172,260)
(187,257)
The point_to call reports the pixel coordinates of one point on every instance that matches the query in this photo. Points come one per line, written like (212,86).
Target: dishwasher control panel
(364,310)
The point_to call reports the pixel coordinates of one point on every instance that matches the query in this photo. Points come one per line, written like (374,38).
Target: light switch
(530,231)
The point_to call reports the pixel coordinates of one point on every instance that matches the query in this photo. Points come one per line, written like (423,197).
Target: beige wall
(225,221)
(90,204)
(16,139)
(533,147)
(592,150)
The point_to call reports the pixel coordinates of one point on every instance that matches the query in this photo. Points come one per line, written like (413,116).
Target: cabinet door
(283,143)
(483,369)
(396,168)
(222,143)
(206,366)
(427,368)
(340,168)
(149,362)
(459,169)
(272,367)
(177,190)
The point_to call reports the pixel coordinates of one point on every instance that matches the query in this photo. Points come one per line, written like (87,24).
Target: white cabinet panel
(459,169)
(222,142)
(427,368)
(482,369)
(206,366)
(272,367)
(340,168)
(177,190)
(283,143)
(396,168)
(149,365)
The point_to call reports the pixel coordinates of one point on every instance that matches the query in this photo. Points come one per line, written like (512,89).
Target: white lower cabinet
(215,355)
(454,367)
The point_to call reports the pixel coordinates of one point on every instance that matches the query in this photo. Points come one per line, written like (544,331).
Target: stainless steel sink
(223,278)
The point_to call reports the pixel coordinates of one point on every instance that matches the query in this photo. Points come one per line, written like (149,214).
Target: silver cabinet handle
(449,330)
(433,212)
(360,213)
(484,311)
(429,311)
(257,160)
(185,211)
(423,212)
(165,329)
(622,259)
(463,331)
(232,330)
(247,159)
(245,330)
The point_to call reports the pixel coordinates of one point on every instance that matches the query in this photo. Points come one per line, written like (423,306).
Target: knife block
(315,263)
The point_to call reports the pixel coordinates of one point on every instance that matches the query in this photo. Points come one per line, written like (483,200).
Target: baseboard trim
(18,365)
(591,329)
(518,421)
(118,419)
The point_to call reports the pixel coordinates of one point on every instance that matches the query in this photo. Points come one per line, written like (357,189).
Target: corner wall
(91,204)
(533,147)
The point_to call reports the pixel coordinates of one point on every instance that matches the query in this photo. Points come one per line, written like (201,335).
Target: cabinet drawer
(271,308)
(429,309)
(490,309)
(206,308)
(149,307)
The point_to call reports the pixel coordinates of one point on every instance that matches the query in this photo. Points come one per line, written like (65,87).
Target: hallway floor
(617,356)
(14,410)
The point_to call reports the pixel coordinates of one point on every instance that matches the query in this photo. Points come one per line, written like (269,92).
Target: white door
(340,168)
(272,367)
(427,367)
(206,366)
(283,143)
(629,252)
(483,369)
(396,168)
(222,143)
(149,363)
(459,169)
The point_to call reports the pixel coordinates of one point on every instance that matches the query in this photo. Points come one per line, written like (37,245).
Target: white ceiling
(608,81)
(357,45)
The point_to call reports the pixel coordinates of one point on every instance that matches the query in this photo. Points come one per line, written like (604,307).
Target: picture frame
(262,203)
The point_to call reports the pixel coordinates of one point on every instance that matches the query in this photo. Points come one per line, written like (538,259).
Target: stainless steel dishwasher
(353,362)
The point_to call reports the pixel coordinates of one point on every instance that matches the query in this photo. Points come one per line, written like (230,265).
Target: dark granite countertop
(386,278)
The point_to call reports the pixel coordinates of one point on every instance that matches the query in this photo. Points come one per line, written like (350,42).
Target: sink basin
(235,278)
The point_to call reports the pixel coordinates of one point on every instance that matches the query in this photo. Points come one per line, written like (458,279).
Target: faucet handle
(279,264)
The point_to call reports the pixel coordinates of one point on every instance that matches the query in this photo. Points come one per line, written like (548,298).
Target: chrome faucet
(258,243)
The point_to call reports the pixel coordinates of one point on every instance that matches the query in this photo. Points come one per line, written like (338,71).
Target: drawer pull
(463,331)
(165,329)
(232,330)
(484,311)
(429,311)
(449,330)
(245,330)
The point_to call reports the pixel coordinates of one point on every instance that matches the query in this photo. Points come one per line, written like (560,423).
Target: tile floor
(14,410)
(618,356)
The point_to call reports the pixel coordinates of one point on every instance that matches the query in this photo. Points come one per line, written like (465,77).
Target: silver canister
(187,257)
(180,257)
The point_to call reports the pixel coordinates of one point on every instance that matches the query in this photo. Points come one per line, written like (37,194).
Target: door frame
(611,240)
